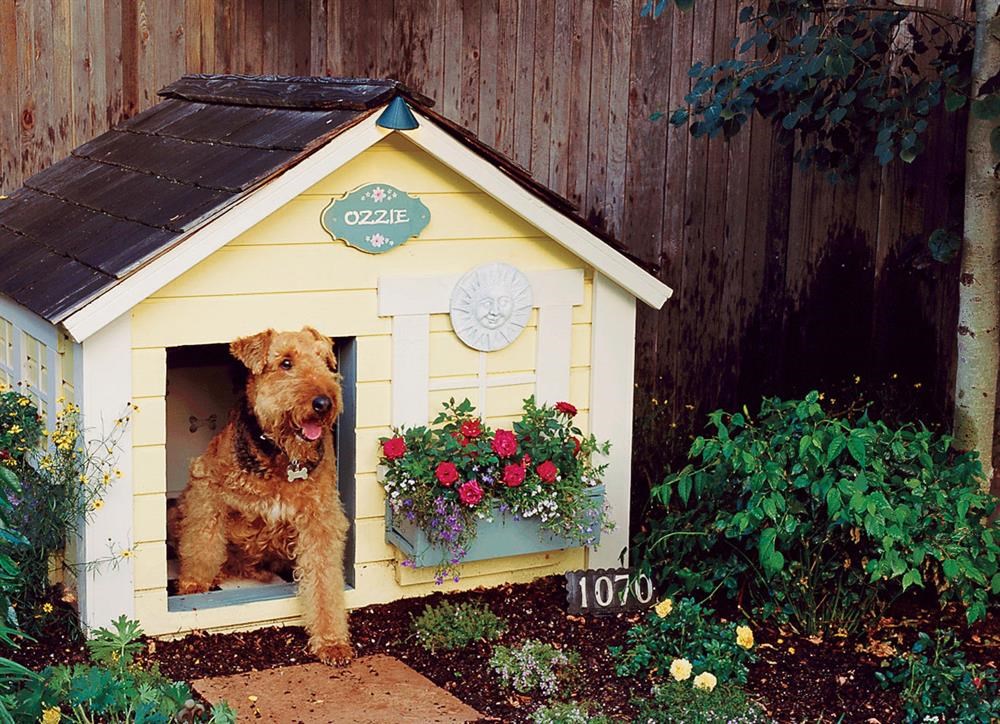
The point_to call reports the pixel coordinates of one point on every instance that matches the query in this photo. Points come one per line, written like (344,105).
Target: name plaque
(375,218)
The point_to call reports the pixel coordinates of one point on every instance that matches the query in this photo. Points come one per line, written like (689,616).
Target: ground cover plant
(534,666)
(450,475)
(935,680)
(678,702)
(448,625)
(823,520)
(112,688)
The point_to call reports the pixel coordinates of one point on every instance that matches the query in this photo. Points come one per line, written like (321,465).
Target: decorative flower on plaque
(375,218)
(490,306)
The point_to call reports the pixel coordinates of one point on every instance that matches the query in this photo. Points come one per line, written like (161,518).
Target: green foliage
(533,666)
(690,632)
(54,480)
(447,476)
(114,688)
(567,712)
(935,679)
(825,520)
(677,702)
(844,80)
(453,626)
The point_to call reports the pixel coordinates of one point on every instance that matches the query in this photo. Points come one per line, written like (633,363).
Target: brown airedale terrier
(264,493)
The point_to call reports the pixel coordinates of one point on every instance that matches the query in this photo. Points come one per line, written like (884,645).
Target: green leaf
(986,108)
(684,488)
(656,116)
(856,447)
(950,568)
(954,101)
(907,155)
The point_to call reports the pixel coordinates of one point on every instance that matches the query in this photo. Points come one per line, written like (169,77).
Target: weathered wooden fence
(781,280)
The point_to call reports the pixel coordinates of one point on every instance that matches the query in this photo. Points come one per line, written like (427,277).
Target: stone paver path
(372,690)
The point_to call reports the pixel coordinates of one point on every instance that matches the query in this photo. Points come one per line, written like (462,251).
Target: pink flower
(566,408)
(470,493)
(513,475)
(504,443)
(547,471)
(471,428)
(394,448)
(446,473)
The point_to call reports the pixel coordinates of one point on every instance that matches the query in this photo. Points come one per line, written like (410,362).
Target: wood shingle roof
(119,201)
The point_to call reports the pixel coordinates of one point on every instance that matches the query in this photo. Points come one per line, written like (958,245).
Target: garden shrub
(685,631)
(934,680)
(680,702)
(825,520)
(57,484)
(113,688)
(533,666)
(452,626)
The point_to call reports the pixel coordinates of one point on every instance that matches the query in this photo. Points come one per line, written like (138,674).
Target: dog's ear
(252,351)
(317,334)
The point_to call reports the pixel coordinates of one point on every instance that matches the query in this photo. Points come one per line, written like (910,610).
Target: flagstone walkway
(372,690)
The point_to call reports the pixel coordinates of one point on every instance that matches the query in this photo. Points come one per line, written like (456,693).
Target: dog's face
(293,386)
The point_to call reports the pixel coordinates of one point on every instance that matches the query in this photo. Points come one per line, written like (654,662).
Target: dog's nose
(322,404)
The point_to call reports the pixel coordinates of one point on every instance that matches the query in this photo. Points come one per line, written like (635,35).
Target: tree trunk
(979,288)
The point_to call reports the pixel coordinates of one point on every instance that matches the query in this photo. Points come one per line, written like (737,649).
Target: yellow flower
(52,715)
(664,607)
(24,402)
(97,504)
(744,637)
(680,669)
(705,681)
(47,607)
(791,649)
(127,553)
(14,429)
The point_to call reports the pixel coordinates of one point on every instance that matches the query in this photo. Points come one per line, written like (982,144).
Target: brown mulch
(796,678)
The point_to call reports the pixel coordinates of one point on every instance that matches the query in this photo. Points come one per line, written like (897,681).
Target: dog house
(242,203)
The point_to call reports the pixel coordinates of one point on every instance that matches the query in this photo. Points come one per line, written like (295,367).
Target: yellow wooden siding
(286,272)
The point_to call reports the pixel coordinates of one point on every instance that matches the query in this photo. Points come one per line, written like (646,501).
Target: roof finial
(397,116)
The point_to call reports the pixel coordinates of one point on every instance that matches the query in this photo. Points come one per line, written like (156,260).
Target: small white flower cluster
(532,666)
(545,508)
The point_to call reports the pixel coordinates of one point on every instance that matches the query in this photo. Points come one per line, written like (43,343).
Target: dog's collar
(252,434)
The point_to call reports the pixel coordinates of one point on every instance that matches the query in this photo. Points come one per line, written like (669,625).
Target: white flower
(378,194)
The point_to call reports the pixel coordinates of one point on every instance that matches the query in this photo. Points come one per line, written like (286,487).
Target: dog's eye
(286,364)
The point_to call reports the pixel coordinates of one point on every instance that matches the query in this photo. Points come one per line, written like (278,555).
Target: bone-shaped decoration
(297,474)
(209,422)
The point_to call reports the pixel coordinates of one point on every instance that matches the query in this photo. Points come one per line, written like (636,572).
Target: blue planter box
(502,537)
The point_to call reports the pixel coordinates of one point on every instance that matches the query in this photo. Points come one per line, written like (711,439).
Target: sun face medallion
(490,306)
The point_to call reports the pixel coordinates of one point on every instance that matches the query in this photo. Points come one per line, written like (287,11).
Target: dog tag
(297,474)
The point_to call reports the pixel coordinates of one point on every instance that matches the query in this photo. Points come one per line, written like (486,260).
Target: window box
(503,536)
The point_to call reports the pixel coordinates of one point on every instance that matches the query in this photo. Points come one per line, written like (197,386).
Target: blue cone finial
(397,116)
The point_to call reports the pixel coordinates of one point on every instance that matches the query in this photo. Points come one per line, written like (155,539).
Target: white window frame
(25,322)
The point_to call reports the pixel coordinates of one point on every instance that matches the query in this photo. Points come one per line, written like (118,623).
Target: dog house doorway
(203,384)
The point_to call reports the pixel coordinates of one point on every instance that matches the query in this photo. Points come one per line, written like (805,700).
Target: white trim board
(432,294)
(276,193)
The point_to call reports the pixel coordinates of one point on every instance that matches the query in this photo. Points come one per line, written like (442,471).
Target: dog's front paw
(334,654)
(188,586)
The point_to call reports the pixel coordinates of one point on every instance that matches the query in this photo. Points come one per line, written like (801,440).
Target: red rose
(394,448)
(566,408)
(547,471)
(470,493)
(576,446)
(526,460)
(471,428)
(504,443)
(977,682)
(513,475)
(446,473)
